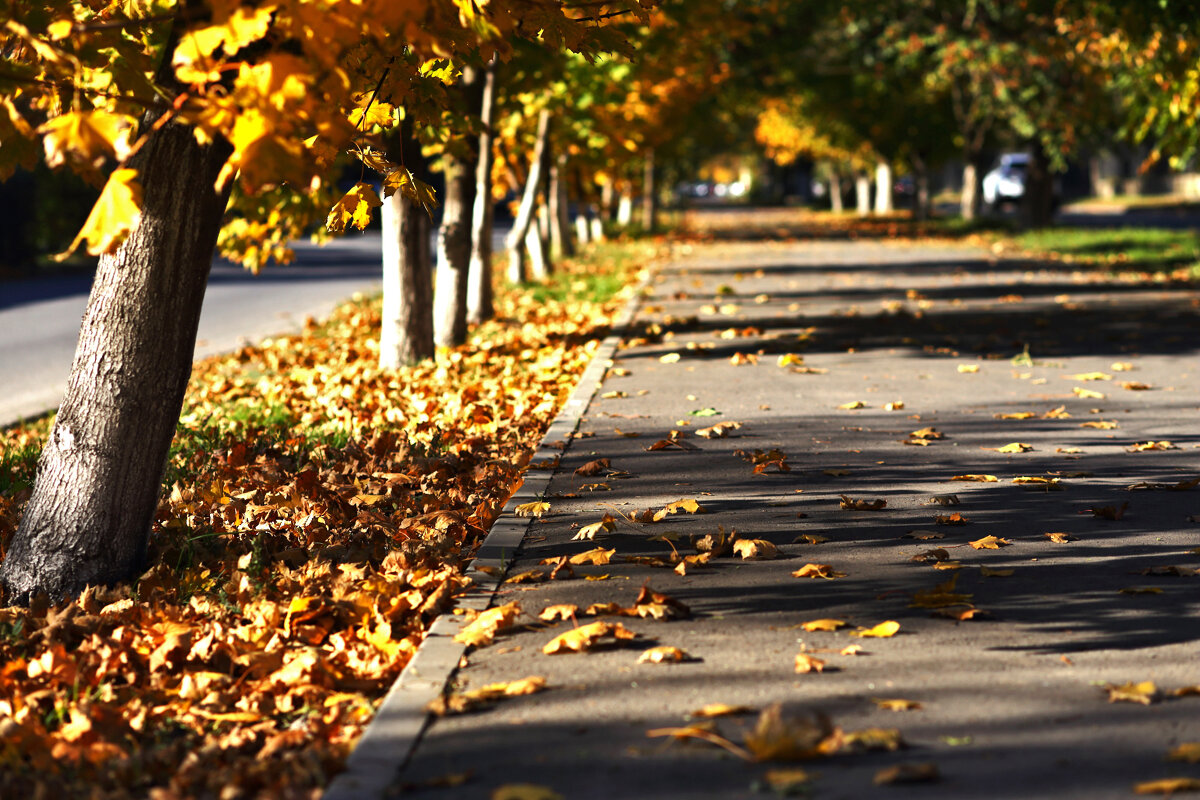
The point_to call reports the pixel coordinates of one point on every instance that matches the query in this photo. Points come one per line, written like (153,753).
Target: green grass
(1119,249)
(605,275)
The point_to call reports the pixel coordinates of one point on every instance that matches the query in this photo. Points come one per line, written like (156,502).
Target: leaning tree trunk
(649,193)
(88,520)
(883,188)
(406,334)
(454,236)
(517,270)
(922,204)
(479,281)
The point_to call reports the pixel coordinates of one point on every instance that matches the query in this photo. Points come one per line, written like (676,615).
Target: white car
(1006,183)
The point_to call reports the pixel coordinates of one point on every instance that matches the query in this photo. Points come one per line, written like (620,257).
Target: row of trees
(868,85)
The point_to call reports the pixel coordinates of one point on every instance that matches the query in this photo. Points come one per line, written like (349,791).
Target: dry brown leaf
(1167,786)
(755,549)
(1114,513)
(818,571)
(990,543)
(787,782)
(823,625)
(586,637)
(806,663)
(923,536)
(597,556)
(1144,692)
(851,504)
(599,466)
(685,506)
(937,554)
(951,519)
(562,611)
(664,654)
(922,772)
(775,738)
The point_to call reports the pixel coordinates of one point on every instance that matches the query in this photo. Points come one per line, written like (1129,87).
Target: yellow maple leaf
(377,114)
(586,637)
(353,209)
(755,549)
(597,556)
(883,630)
(823,625)
(990,542)
(482,630)
(1014,447)
(85,138)
(116,213)
(976,478)
(818,571)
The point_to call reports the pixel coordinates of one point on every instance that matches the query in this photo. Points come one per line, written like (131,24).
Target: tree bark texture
(454,235)
(88,520)
(517,270)
(835,194)
(406,334)
(1038,203)
(479,281)
(649,192)
(883,188)
(625,206)
(560,220)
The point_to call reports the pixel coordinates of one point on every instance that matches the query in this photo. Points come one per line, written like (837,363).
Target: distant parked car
(1006,183)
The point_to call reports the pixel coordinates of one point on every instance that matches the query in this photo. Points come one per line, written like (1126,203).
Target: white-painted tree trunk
(862,194)
(883,188)
(524,222)
(479,280)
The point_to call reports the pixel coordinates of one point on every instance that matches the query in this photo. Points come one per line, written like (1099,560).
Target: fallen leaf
(669,358)
(483,629)
(755,549)
(775,738)
(1142,447)
(976,478)
(851,650)
(990,543)
(719,431)
(664,654)
(525,791)
(1136,386)
(1060,537)
(1186,751)
(720,710)
(1167,786)
(563,611)
(614,395)
(823,625)
(862,505)
(872,739)
(588,532)
(881,631)
(604,577)
(923,536)
(960,614)
(1039,483)
(597,556)
(534,509)
(1090,376)
(597,467)
(787,782)
(937,554)
(1114,513)
(528,576)
(1014,447)
(969,368)
(1057,413)
(1140,590)
(586,637)
(818,571)
(943,500)
(923,772)
(1145,692)
(1016,415)
(896,704)
(989,572)
(686,506)
(951,519)
(1100,424)
(1088,394)
(895,405)
(704,412)
(811,538)
(806,663)
(852,405)
(927,433)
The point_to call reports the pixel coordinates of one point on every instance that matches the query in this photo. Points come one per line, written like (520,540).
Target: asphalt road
(39,317)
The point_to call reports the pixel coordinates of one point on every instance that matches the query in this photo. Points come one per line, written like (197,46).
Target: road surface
(39,317)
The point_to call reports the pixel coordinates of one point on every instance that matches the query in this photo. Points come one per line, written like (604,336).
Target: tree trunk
(597,226)
(479,281)
(625,206)
(539,260)
(922,204)
(835,194)
(406,334)
(608,201)
(862,194)
(560,220)
(454,236)
(1038,203)
(517,271)
(583,231)
(971,200)
(88,520)
(649,193)
(883,188)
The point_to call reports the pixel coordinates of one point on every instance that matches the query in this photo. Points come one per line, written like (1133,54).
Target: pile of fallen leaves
(317,515)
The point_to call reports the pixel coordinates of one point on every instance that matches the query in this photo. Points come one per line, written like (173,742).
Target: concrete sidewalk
(1011,701)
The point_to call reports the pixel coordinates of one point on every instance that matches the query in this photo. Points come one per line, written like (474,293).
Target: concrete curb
(393,735)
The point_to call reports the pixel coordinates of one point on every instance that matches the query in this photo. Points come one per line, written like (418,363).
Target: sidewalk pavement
(1012,697)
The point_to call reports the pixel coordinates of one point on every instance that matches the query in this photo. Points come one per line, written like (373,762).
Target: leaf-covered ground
(316,516)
